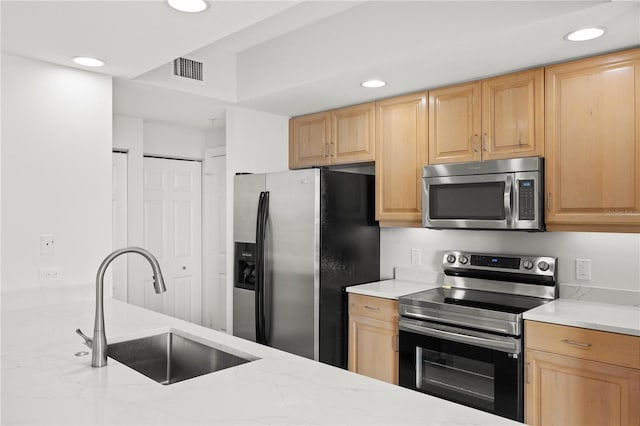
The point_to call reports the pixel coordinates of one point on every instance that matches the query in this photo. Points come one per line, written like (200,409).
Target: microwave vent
(188,68)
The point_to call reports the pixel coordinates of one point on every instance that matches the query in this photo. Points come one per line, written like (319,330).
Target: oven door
(472,368)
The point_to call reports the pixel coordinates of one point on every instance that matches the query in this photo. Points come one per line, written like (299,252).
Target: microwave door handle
(508,187)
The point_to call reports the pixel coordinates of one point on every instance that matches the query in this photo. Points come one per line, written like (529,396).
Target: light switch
(47,244)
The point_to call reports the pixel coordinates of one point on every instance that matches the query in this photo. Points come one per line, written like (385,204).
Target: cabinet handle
(526,372)
(574,343)
(484,142)
(475,143)
(372,308)
(396,343)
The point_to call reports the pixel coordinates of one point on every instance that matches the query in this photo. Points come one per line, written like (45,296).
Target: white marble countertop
(390,289)
(596,316)
(43,382)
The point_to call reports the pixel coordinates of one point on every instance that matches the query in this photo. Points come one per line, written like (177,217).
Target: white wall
(615,258)
(56,171)
(168,140)
(256,142)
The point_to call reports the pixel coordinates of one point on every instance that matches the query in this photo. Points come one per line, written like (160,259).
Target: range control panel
(522,264)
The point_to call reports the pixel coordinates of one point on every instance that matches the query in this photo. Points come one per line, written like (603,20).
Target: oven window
(477,201)
(456,374)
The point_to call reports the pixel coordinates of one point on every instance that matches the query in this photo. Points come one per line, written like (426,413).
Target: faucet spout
(99,341)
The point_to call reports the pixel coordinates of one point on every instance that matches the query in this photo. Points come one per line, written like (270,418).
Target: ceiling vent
(188,68)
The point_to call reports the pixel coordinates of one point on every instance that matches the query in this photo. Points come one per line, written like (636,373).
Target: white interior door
(172,232)
(214,307)
(119,223)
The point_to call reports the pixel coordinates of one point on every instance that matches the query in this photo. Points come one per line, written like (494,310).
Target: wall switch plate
(50,274)
(583,269)
(47,244)
(416,255)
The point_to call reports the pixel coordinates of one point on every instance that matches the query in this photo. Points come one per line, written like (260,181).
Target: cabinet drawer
(612,348)
(373,307)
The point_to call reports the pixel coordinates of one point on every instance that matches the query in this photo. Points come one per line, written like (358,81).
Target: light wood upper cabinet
(496,118)
(593,144)
(373,337)
(575,376)
(454,124)
(352,133)
(309,137)
(513,115)
(339,136)
(401,151)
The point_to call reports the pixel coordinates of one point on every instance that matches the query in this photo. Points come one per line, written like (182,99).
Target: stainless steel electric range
(463,341)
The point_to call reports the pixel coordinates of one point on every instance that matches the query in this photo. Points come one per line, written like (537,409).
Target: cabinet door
(401,151)
(352,134)
(512,115)
(563,390)
(309,140)
(593,144)
(373,346)
(454,124)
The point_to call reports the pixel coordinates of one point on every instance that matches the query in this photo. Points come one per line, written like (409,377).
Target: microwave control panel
(526,203)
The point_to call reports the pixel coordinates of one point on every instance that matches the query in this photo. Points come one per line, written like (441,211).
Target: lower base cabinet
(373,337)
(565,385)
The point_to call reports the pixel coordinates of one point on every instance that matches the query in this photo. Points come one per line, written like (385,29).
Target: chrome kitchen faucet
(98,344)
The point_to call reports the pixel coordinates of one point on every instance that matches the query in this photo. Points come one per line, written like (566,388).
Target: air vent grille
(188,68)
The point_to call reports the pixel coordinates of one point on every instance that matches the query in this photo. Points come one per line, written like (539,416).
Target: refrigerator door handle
(258,269)
(264,300)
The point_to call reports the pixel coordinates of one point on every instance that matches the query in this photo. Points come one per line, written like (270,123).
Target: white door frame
(119,191)
(214,285)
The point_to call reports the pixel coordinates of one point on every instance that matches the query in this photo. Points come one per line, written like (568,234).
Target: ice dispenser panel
(245,265)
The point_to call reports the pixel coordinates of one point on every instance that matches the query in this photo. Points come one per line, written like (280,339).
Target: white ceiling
(296,57)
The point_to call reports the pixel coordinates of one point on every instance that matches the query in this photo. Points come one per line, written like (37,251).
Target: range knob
(463,259)
(527,264)
(451,258)
(543,265)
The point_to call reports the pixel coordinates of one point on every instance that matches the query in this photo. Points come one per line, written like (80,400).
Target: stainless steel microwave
(496,194)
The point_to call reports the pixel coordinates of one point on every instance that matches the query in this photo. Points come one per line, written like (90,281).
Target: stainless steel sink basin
(169,357)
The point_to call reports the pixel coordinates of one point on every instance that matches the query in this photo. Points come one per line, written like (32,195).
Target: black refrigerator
(301,237)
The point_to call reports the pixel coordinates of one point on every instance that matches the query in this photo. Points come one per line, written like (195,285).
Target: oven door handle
(484,342)
(412,314)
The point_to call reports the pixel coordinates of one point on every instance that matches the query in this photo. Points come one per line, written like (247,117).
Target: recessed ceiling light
(373,83)
(88,61)
(585,34)
(189,6)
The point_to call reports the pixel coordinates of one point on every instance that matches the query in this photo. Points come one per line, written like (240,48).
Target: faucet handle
(87,341)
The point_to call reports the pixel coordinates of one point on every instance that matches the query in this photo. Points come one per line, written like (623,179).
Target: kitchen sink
(170,357)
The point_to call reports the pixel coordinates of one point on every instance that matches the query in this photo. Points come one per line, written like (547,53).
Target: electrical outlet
(583,269)
(47,244)
(50,274)
(416,255)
